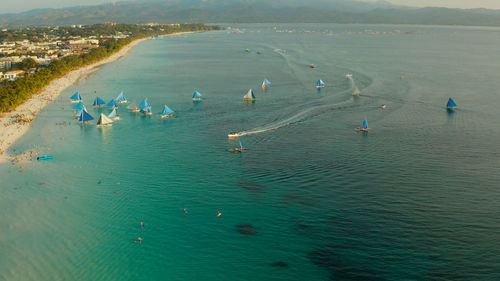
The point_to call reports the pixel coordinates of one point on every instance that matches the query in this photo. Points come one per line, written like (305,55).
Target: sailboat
(104,121)
(197,96)
(75,98)
(114,115)
(320,84)
(133,107)
(356,91)
(451,104)
(112,104)
(147,109)
(237,149)
(84,116)
(144,103)
(364,127)
(98,102)
(249,96)
(266,83)
(167,112)
(121,98)
(79,106)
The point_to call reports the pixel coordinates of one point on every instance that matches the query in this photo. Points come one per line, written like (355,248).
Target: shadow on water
(339,268)
(251,185)
(246,229)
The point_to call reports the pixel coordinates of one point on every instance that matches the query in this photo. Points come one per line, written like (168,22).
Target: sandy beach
(16,123)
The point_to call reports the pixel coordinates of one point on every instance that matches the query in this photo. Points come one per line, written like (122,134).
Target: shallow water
(311,198)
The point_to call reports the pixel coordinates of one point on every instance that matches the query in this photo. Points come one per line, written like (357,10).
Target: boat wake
(309,112)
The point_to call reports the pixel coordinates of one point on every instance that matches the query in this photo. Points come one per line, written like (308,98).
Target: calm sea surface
(417,198)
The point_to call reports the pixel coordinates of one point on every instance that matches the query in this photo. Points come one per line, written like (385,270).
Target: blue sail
(144,103)
(113,113)
(78,106)
(98,102)
(166,110)
(241,145)
(112,103)
(320,83)
(76,96)
(365,124)
(85,116)
(197,95)
(451,103)
(121,97)
(266,83)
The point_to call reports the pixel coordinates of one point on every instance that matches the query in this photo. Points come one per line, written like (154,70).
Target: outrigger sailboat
(249,96)
(146,110)
(237,149)
(266,84)
(121,98)
(320,84)
(451,104)
(104,121)
(112,104)
(364,127)
(167,112)
(114,115)
(98,102)
(79,106)
(84,117)
(197,96)
(75,98)
(133,107)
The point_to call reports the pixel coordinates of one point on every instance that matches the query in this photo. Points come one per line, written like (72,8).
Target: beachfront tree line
(13,93)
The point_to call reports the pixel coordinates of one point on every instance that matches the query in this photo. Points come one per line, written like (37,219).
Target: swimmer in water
(142,225)
(219,214)
(138,239)
(185,211)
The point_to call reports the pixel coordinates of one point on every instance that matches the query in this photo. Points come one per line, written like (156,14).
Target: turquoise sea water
(414,199)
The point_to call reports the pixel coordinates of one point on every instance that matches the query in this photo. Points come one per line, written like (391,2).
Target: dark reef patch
(245,229)
(279,264)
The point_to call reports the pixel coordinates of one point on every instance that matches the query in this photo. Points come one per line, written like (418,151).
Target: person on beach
(219,214)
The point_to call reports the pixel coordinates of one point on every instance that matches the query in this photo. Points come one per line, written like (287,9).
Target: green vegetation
(13,93)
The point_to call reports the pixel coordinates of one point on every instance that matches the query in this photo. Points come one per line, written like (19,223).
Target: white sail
(104,120)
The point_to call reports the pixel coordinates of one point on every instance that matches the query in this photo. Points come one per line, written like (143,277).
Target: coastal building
(13,75)
(5,64)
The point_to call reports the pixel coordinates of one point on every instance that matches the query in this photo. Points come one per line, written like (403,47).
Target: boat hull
(319,87)
(249,99)
(120,102)
(196,99)
(166,116)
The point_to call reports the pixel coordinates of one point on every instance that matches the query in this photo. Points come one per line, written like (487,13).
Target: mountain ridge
(251,11)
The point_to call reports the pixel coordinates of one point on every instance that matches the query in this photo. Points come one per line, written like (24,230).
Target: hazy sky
(9,6)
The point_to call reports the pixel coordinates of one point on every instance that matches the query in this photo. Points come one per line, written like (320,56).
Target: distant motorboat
(98,102)
(75,98)
(383,106)
(249,96)
(121,98)
(364,127)
(320,84)
(114,115)
(348,75)
(104,121)
(167,112)
(197,96)
(233,135)
(312,66)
